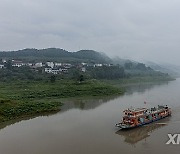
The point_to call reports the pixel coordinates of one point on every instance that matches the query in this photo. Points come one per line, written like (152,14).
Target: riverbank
(28,98)
(21,98)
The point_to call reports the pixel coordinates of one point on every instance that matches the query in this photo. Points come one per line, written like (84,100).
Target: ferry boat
(142,116)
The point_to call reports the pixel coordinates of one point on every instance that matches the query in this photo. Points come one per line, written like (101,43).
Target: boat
(142,116)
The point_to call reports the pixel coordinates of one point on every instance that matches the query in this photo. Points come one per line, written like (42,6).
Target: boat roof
(136,110)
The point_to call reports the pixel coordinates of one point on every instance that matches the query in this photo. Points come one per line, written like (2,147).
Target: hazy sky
(137,29)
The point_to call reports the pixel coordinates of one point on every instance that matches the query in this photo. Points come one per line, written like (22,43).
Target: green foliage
(81,78)
(11,110)
(106,72)
(8,65)
(21,73)
(53,78)
(128,65)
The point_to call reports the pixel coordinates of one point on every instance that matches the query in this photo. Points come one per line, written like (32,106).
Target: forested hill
(125,68)
(57,54)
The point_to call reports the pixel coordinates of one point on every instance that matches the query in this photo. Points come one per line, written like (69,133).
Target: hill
(56,54)
(129,67)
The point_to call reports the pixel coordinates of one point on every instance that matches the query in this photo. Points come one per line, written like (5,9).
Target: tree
(53,78)
(81,78)
(128,65)
(9,65)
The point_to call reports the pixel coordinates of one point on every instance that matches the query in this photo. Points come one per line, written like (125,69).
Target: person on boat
(166,107)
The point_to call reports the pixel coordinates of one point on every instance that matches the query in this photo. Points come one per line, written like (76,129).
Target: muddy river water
(87,126)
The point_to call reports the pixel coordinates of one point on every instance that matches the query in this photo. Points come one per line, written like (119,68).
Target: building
(38,64)
(63,70)
(67,65)
(83,69)
(50,64)
(48,70)
(55,71)
(52,70)
(16,63)
(29,64)
(98,65)
(58,64)
(84,64)
(1,66)
(4,60)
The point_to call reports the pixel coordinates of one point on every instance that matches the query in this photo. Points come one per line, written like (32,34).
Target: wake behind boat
(142,116)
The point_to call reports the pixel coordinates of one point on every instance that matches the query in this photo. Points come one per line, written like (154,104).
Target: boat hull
(123,126)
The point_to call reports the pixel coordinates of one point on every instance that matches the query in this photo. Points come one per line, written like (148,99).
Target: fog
(135,29)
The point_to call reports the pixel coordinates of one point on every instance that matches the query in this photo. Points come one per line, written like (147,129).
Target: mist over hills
(172,70)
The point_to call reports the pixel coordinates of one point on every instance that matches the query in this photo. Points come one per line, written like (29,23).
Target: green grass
(10,110)
(22,98)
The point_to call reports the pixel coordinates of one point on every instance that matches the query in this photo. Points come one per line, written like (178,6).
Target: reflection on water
(141,88)
(133,136)
(93,102)
(85,103)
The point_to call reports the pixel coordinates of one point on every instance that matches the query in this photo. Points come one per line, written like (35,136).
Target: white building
(58,64)
(98,65)
(4,60)
(51,70)
(84,64)
(64,70)
(50,64)
(48,70)
(29,64)
(55,71)
(38,64)
(67,65)
(1,66)
(83,69)
(16,63)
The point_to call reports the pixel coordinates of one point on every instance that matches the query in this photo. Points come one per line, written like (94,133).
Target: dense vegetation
(22,73)
(11,109)
(106,72)
(113,72)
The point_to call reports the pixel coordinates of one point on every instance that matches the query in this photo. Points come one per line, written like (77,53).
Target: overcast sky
(136,29)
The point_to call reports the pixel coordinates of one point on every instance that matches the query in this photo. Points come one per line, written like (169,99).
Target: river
(87,126)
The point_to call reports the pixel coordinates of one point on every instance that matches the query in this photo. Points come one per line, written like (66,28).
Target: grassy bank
(11,109)
(23,98)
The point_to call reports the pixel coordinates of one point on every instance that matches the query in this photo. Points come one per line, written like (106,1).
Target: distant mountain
(172,70)
(57,55)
